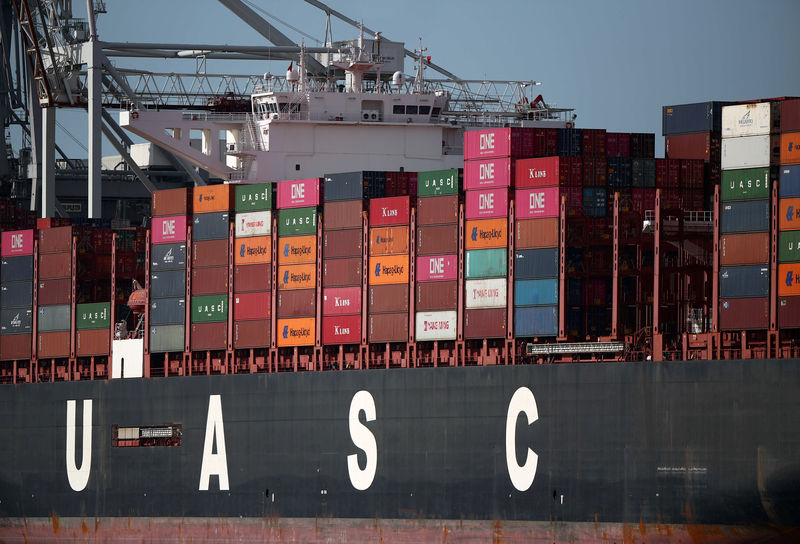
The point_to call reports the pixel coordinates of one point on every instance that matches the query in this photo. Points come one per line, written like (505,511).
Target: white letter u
(79,477)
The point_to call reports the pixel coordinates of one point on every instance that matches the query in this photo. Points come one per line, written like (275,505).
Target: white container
(746,120)
(253,224)
(745,152)
(486,293)
(437,325)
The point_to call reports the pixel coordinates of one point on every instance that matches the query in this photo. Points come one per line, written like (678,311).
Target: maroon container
(738,249)
(485,323)
(384,212)
(437,240)
(384,299)
(345,214)
(209,336)
(388,327)
(53,292)
(699,145)
(55,240)
(342,272)
(297,303)
(537,233)
(92,342)
(436,295)
(53,344)
(437,210)
(171,202)
(788,312)
(15,346)
(790,115)
(252,277)
(55,265)
(748,313)
(253,305)
(210,281)
(342,243)
(341,329)
(252,334)
(210,253)
(341,300)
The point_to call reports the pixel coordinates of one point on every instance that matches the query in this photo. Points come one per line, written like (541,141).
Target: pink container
(341,329)
(437,268)
(298,193)
(389,211)
(166,230)
(17,242)
(536,203)
(497,142)
(487,204)
(485,173)
(341,300)
(541,172)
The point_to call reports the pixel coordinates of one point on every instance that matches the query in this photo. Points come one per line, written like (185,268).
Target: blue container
(744,216)
(570,142)
(536,321)
(167,311)
(789,181)
(698,117)
(343,186)
(594,201)
(574,322)
(536,264)
(16,268)
(574,291)
(169,283)
(535,292)
(210,226)
(168,257)
(744,281)
(620,172)
(16,294)
(643,172)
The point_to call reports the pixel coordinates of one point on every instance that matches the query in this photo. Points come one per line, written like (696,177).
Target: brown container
(750,313)
(210,253)
(55,265)
(536,233)
(171,202)
(209,336)
(388,241)
(438,239)
(53,344)
(252,334)
(342,243)
(52,292)
(210,281)
(790,115)
(485,323)
(382,299)
(92,342)
(437,210)
(252,277)
(15,346)
(736,249)
(342,272)
(345,214)
(788,312)
(298,303)
(388,328)
(434,296)
(55,240)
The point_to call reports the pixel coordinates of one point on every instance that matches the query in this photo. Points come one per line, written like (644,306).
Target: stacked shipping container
(55,292)
(16,295)
(788,305)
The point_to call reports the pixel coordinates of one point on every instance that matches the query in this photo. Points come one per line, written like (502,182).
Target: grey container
(744,281)
(698,117)
(167,311)
(534,264)
(53,318)
(344,186)
(170,283)
(164,338)
(744,216)
(16,268)
(168,257)
(210,226)
(16,294)
(16,321)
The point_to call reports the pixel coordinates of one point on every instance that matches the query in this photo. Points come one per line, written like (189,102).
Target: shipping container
(212,198)
(169,230)
(16,321)
(296,303)
(166,338)
(167,311)
(95,315)
(389,211)
(486,233)
(437,210)
(738,249)
(439,182)
(537,203)
(209,281)
(296,332)
(213,252)
(298,193)
(790,115)
(16,268)
(533,264)
(342,243)
(536,321)
(594,201)
(789,246)
(486,263)
(297,276)
(210,308)
(341,329)
(432,326)
(53,292)
(745,216)
(496,172)
(705,146)
(92,342)
(253,224)
(437,240)
(788,313)
(618,144)
(209,336)
(16,243)
(748,120)
(251,251)
(388,240)
(388,269)
(210,226)
(297,250)
(746,152)
(55,240)
(789,185)
(539,172)
(343,214)
(168,283)
(53,344)
(388,328)
(252,277)
(570,142)
(788,279)
(751,281)
(297,222)
(487,204)
(594,142)
(257,305)
(746,184)
(789,214)
(437,268)
(536,292)
(485,323)
(16,346)
(537,233)
(745,314)
(392,298)
(254,197)
(491,293)
(168,257)
(643,173)
(496,142)
(343,186)
(435,296)
(699,117)
(171,202)
(342,272)
(254,333)
(341,300)
(790,148)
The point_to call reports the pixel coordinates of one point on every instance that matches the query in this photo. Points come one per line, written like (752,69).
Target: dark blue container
(16,294)
(744,216)
(167,311)
(594,201)
(574,322)
(169,283)
(210,226)
(344,186)
(619,173)
(643,173)
(536,264)
(535,292)
(744,281)
(574,291)
(16,320)
(570,142)
(789,181)
(536,321)
(698,117)
(168,257)
(16,268)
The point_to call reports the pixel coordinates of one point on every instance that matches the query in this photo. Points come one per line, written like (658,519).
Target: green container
(297,221)
(486,263)
(789,246)
(438,182)
(210,308)
(165,338)
(93,316)
(747,184)
(255,197)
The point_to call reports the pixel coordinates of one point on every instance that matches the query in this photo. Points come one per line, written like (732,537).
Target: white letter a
(214,463)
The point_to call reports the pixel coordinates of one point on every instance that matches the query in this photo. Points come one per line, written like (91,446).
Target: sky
(617,62)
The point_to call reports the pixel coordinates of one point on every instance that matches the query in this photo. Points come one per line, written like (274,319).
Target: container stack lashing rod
(411,347)
(773,335)
(461,350)
(33,375)
(716,338)
(112,309)
(186,356)
(317,361)
(658,338)
(364,355)
(615,273)
(72,361)
(509,355)
(272,355)
(146,360)
(229,360)
(562,270)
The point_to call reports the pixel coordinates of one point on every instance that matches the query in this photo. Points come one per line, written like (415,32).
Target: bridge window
(399,109)
(411,110)
(424,110)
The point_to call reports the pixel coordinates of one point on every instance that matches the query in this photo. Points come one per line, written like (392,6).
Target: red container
(536,233)
(389,211)
(342,243)
(618,144)
(437,268)
(296,303)
(788,313)
(52,292)
(668,173)
(437,240)
(643,199)
(698,145)
(55,265)
(539,172)
(341,329)
(15,346)
(488,173)
(55,240)
(171,202)
(210,253)
(14,243)
(252,277)
(209,336)
(342,272)
(485,323)
(53,344)
(537,203)
(498,142)
(790,115)
(741,249)
(692,173)
(388,328)
(345,214)
(437,210)
(298,193)
(168,230)
(92,342)
(746,314)
(252,305)
(388,298)
(252,334)
(210,281)
(594,142)
(487,204)
(341,300)
(545,142)
(435,296)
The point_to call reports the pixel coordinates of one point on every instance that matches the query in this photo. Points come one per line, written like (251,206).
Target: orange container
(212,198)
(388,269)
(297,249)
(296,332)
(790,148)
(788,279)
(297,276)
(486,233)
(255,250)
(789,214)
(388,241)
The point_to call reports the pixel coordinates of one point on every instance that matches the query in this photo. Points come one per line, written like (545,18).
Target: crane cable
(271,16)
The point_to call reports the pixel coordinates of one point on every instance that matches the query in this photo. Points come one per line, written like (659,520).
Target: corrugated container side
(16,294)
(438,182)
(746,152)
(298,193)
(788,313)
(168,230)
(254,197)
(95,315)
(342,243)
(701,145)
(341,329)
(486,263)
(537,233)
(210,226)
(537,203)
(788,279)
(388,298)
(15,346)
(252,306)
(297,303)
(209,281)
(16,268)
(341,300)
(789,214)
(253,224)
(252,251)
(745,216)
(16,243)
(536,321)
(532,264)
(495,142)
(436,296)
(388,269)
(437,210)
(343,214)
(745,314)
(388,327)
(394,210)
(790,148)
(16,321)
(209,336)
(296,332)
(168,257)
(487,204)
(746,120)
(92,342)
(697,117)
(210,308)
(52,292)
(297,276)
(738,249)
(297,250)
(166,338)
(491,293)
(536,292)
(341,272)
(486,233)
(251,334)
(167,311)
(437,268)
(211,253)
(212,198)
(432,326)
(171,202)
(485,323)
(790,115)
(53,344)
(746,184)
(485,173)
(747,281)
(297,221)
(55,240)
(252,277)
(789,181)
(343,186)
(789,246)
(538,172)
(388,241)
(53,318)
(437,240)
